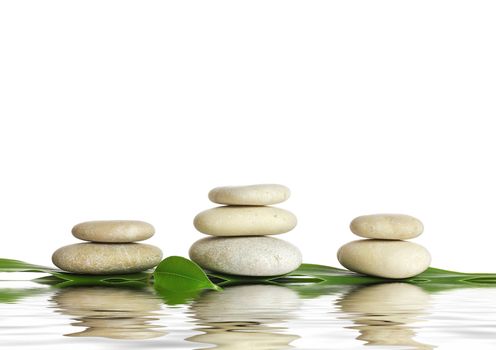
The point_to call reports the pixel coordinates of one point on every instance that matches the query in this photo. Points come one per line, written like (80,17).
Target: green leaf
(179,274)
(127,280)
(321,276)
(178,279)
(329,275)
(305,274)
(61,278)
(10,265)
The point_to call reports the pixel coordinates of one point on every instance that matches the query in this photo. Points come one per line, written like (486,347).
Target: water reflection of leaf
(14,295)
(177,297)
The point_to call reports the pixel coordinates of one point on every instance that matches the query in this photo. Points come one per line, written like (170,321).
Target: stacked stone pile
(111,248)
(240,230)
(385,253)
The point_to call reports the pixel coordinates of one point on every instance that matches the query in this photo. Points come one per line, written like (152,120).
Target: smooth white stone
(103,259)
(265,194)
(244,221)
(246,256)
(113,231)
(384,258)
(387,226)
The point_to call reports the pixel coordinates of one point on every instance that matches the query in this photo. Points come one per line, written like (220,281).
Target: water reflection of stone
(245,317)
(110,312)
(384,313)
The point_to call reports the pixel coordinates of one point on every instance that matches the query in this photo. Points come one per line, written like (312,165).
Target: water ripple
(385,316)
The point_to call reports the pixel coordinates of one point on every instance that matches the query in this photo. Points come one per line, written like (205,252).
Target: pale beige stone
(384,258)
(387,226)
(265,194)
(113,231)
(102,258)
(244,221)
(246,256)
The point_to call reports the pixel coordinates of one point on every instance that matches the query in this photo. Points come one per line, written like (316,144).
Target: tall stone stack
(111,248)
(240,230)
(385,253)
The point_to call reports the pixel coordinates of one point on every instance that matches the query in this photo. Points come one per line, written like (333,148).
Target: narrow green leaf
(321,276)
(10,265)
(329,275)
(179,274)
(61,278)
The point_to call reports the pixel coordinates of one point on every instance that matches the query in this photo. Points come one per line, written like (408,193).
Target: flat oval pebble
(246,256)
(113,231)
(250,195)
(383,258)
(103,259)
(244,221)
(387,226)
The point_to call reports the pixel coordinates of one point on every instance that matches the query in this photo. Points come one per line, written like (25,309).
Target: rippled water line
(256,317)
(462,318)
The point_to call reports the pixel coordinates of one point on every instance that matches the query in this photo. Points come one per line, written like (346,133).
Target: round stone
(244,221)
(113,231)
(106,259)
(383,258)
(246,256)
(249,195)
(387,226)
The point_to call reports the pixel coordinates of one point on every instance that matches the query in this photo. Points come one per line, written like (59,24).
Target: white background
(135,110)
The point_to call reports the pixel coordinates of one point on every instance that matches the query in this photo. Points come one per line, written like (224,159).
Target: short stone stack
(111,248)
(240,227)
(385,253)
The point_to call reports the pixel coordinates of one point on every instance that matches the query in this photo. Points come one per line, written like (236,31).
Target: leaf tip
(216,287)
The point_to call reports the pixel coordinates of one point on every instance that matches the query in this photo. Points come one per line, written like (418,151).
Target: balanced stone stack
(385,253)
(240,244)
(111,248)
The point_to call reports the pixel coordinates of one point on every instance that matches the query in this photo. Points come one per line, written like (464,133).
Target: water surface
(382,316)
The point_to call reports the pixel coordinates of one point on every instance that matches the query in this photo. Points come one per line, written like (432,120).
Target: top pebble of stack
(113,231)
(387,226)
(250,195)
